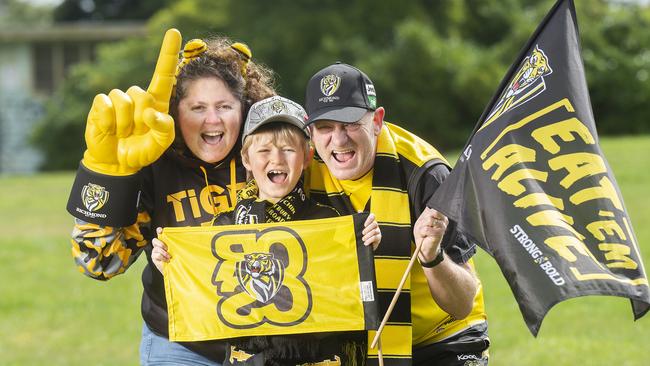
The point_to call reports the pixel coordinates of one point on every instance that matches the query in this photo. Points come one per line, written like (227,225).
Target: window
(52,62)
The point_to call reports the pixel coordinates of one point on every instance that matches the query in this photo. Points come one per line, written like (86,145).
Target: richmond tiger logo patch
(260,275)
(94,196)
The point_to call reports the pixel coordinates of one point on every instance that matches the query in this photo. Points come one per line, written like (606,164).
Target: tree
(435,64)
(75,10)
(20,13)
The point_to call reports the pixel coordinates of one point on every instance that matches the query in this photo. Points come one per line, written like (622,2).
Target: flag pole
(397,293)
(380,354)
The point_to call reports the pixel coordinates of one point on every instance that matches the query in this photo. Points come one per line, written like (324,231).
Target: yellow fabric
(358,190)
(391,349)
(204,294)
(393,270)
(391,207)
(430,323)
(416,150)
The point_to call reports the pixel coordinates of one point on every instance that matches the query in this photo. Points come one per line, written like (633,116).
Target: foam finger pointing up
(162,81)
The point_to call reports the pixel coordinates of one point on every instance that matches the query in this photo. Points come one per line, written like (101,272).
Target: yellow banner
(264,279)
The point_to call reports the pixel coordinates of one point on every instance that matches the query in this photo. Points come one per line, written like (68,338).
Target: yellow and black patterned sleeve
(102,252)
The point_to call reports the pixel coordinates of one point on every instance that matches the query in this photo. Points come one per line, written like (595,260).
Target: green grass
(52,315)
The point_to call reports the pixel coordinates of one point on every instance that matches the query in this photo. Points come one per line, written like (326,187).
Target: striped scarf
(251,210)
(389,202)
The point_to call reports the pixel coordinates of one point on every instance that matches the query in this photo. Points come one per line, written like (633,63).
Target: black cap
(275,109)
(341,93)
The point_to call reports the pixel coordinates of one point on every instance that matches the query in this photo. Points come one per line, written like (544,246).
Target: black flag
(533,188)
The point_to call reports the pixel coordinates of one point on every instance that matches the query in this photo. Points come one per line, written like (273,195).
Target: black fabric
(174,194)
(102,199)
(423,185)
(346,347)
(339,92)
(467,348)
(250,210)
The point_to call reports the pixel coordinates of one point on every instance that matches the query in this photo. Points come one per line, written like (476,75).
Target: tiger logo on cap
(278,107)
(329,84)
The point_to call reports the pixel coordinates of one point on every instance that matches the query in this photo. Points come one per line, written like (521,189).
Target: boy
(276,151)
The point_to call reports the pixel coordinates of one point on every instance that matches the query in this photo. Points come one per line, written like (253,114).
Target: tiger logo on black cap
(330,84)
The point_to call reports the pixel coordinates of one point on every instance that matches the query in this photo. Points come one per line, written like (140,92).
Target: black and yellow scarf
(389,201)
(251,210)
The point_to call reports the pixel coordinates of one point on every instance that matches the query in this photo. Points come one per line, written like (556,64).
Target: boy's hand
(371,232)
(159,255)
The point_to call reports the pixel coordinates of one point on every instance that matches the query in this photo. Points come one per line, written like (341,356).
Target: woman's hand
(127,131)
(371,232)
(159,254)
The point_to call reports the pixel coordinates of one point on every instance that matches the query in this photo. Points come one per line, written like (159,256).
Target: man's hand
(429,229)
(127,131)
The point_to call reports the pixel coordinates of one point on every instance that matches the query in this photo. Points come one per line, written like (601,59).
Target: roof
(73,31)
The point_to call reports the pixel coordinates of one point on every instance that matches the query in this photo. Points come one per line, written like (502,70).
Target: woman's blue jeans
(156,350)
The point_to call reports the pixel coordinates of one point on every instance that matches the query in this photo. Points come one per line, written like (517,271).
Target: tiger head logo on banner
(527,83)
(260,275)
(268,266)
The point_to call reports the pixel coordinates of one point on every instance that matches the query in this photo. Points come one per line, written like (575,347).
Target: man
(366,164)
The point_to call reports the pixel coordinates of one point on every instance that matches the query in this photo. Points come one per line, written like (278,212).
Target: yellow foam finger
(101,117)
(163,78)
(161,123)
(141,101)
(123,106)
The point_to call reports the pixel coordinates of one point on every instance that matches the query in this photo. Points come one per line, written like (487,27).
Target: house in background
(33,64)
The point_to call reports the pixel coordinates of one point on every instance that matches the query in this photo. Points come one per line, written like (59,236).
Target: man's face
(348,149)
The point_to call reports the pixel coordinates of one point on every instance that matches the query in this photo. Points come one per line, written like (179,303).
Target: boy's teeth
(276,176)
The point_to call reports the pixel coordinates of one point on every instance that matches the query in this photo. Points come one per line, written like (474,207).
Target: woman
(195,178)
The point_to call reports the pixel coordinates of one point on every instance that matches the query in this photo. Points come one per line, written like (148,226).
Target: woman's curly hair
(224,62)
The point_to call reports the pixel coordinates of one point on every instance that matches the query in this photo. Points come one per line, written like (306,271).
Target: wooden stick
(397,293)
(380,353)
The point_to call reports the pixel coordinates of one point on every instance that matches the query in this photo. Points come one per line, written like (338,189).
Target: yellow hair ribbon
(245,55)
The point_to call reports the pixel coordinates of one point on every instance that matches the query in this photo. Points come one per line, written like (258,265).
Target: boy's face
(276,165)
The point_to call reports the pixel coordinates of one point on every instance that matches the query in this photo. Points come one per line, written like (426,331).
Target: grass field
(52,315)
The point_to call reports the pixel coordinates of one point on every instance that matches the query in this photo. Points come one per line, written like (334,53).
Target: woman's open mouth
(212,138)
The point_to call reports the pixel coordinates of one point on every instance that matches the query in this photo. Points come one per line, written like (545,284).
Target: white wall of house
(33,63)
(19,110)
